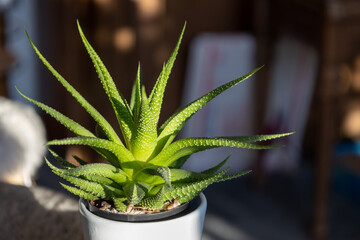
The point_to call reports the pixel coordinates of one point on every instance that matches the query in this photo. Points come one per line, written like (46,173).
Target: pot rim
(192,206)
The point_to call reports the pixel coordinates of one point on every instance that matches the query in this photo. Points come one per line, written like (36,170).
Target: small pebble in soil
(135,210)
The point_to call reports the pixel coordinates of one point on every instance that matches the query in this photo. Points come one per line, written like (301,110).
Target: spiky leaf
(119,204)
(96,189)
(157,94)
(144,140)
(182,176)
(154,202)
(79,160)
(232,176)
(135,192)
(122,109)
(192,145)
(67,122)
(258,138)
(169,130)
(119,151)
(163,172)
(80,193)
(62,161)
(136,95)
(184,192)
(216,168)
(100,169)
(185,176)
(83,102)
(101,180)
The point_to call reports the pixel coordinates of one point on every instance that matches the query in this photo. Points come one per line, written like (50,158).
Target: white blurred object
(216,59)
(22,139)
(292,79)
(4,4)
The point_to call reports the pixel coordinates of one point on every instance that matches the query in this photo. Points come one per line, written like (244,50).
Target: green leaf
(79,160)
(216,168)
(121,108)
(119,204)
(136,95)
(100,169)
(74,127)
(90,177)
(188,146)
(83,102)
(154,202)
(179,162)
(144,140)
(135,192)
(80,193)
(185,153)
(184,192)
(67,122)
(122,154)
(101,180)
(168,131)
(185,176)
(259,138)
(97,189)
(148,177)
(99,132)
(232,176)
(157,94)
(163,172)
(62,161)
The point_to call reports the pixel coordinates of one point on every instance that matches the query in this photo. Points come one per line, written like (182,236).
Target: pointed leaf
(101,169)
(73,126)
(184,192)
(163,172)
(79,160)
(157,94)
(216,168)
(90,177)
(122,109)
(96,189)
(122,154)
(101,180)
(185,176)
(67,122)
(179,162)
(83,102)
(191,145)
(154,202)
(136,96)
(135,192)
(62,161)
(144,140)
(172,127)
(232,176)
(119,204)
(80,193)
(258,138)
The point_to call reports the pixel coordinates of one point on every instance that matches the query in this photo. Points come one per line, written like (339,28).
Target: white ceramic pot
(187,226)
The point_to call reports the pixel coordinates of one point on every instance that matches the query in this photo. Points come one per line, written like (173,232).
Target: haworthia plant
(144,169)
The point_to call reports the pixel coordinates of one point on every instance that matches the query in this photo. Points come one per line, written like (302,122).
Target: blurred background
(310,84)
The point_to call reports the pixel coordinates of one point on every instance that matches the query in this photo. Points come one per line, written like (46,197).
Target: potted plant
(128,197)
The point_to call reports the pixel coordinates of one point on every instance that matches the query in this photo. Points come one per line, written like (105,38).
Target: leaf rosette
(144,168)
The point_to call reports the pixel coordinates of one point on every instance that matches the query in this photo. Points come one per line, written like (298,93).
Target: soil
(134,210)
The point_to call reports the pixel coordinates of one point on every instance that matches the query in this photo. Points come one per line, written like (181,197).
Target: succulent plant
(144,168)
